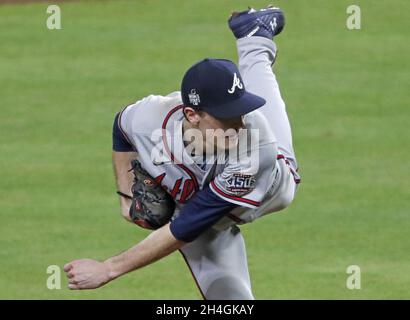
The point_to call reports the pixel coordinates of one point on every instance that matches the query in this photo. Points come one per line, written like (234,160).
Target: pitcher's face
(222,133)
(218,134)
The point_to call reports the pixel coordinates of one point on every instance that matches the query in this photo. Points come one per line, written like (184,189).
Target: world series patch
(240,184)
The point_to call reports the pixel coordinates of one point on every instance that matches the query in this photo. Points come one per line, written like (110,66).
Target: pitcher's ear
(192,115)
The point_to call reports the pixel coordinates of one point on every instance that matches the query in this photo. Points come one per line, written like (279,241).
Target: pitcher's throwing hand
(86,274)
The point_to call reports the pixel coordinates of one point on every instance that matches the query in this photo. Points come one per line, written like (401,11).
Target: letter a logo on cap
(236,83)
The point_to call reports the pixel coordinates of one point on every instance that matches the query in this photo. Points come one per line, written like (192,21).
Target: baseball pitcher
(195,164)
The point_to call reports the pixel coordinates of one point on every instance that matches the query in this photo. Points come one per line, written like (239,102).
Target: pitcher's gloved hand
(152,207)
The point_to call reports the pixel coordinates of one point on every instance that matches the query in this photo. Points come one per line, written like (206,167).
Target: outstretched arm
(199,214)
(91,274)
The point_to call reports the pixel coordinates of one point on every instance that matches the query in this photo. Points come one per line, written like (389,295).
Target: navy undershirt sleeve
(119,141)
(199,214)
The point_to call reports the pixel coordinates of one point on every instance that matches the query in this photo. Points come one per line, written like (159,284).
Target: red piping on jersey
(193,275)
(223,194)
(296,177)
(164,140)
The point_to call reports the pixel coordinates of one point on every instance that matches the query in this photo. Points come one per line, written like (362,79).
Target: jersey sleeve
(246,182)
(120,142)
(199,214)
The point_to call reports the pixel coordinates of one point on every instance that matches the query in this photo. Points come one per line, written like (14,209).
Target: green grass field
(347,96)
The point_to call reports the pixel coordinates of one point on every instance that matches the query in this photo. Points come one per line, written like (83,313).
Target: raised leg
(256,56)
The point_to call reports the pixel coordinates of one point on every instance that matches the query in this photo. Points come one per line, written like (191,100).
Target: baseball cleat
(267,22)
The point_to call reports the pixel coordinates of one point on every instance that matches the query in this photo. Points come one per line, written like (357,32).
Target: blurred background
(347,97)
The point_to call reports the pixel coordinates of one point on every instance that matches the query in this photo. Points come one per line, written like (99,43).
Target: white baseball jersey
(153,126)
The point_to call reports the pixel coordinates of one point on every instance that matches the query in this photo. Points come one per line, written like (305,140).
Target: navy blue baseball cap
(216,87)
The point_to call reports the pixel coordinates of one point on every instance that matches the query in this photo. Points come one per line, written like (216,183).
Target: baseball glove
(152,207)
